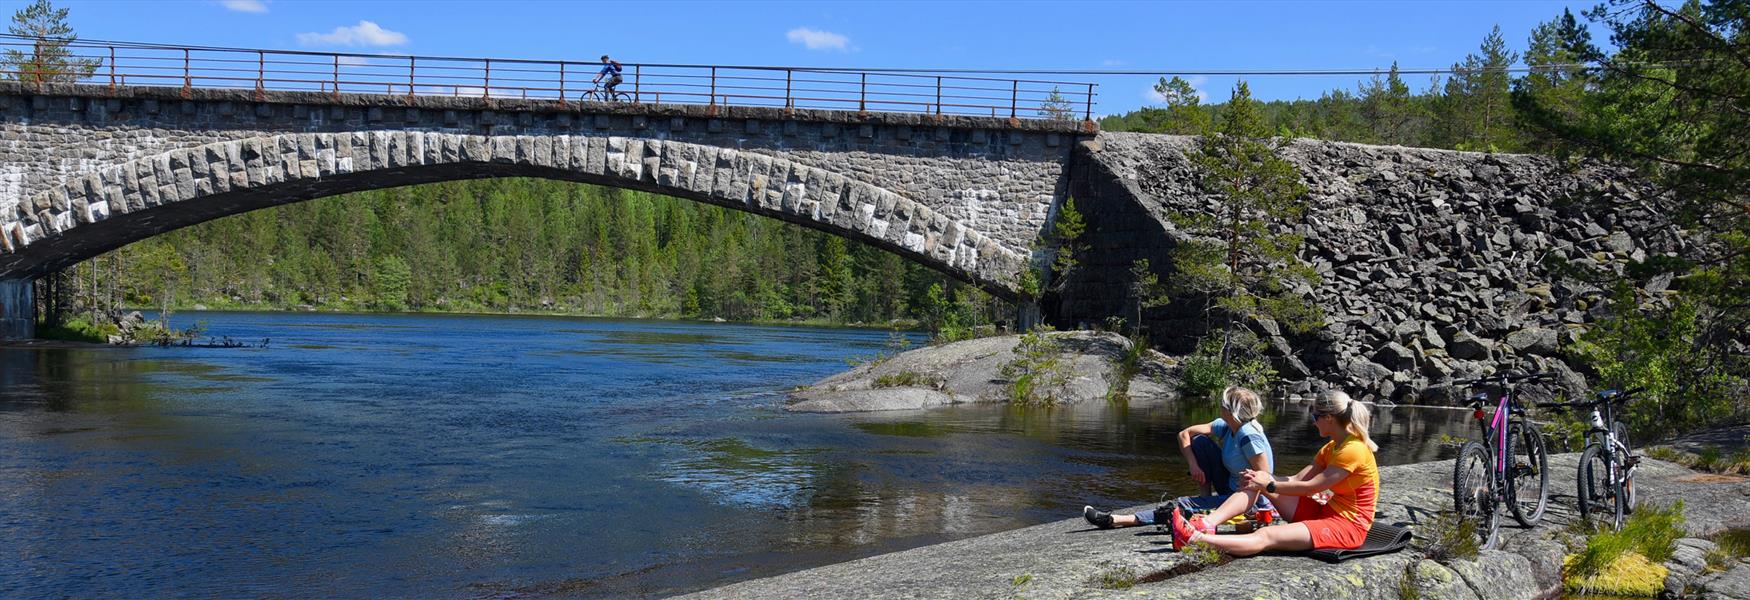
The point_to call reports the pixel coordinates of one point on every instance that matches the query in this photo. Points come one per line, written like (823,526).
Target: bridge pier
(17,309)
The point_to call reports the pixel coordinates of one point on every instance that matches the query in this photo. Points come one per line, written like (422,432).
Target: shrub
(1127,367)
(1204,373)
(1037,370)
(78,330)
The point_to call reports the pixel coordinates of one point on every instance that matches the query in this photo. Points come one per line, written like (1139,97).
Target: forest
(519,245)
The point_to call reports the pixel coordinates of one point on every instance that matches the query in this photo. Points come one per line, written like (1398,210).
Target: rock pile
(1435,264)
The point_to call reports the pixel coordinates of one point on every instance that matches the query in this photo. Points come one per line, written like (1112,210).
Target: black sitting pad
(1381,539)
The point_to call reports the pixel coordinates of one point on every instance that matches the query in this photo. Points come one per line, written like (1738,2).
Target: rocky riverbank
(1068,367)
(1433,264)
(1069,559)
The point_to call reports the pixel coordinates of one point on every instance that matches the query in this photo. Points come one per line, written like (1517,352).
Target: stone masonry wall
(1435,264)
(966,195)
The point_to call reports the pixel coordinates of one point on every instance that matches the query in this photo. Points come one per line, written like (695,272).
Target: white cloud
(816,39)
(248,6)
(365,33)
(1112,62)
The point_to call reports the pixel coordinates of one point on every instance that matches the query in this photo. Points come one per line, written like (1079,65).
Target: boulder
(1533,340)
(971,371)
(1467,346)
(1395,357)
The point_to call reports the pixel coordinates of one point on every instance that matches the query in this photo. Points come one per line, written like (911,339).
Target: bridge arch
(110,206)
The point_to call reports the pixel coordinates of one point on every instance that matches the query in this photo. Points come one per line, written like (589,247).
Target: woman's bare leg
(1236,503)
(1291,537)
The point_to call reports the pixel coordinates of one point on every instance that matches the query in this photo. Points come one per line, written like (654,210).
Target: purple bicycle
(1509,466)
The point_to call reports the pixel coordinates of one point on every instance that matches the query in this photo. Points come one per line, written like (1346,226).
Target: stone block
(503,149)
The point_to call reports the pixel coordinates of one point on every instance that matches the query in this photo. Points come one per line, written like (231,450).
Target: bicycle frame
(1498,426)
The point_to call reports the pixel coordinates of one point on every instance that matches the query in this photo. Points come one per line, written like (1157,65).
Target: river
(508,456)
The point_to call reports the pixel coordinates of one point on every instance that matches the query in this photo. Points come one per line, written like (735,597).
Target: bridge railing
(940,92)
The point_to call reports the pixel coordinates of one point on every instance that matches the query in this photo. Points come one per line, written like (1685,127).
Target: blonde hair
(1354,416)
(1243,403)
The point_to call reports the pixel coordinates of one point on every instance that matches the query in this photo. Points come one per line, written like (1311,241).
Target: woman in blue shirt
(1217,452)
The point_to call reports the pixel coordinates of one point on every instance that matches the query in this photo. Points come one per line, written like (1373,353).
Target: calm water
(455,456)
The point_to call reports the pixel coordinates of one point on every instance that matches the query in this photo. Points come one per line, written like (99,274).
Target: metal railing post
(789,100)
(336,82)
(486,88)
(260,75)
(863,94)
(112,68)
(562,96)
(713,87)
(1014,94)
(938,95)
(1088,114)
(187,76)
(412,62)
(637,79)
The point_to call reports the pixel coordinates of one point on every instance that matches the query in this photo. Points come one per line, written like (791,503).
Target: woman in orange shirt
(1344,466)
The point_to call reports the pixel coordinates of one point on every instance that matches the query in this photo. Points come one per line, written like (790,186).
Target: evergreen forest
(522,244)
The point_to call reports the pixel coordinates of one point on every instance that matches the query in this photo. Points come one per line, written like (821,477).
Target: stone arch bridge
(86,169)
(1432,263)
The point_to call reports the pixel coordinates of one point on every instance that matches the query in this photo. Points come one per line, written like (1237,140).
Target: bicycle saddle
(1608,395)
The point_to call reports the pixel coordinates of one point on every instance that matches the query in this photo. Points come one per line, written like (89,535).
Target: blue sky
(1005,35)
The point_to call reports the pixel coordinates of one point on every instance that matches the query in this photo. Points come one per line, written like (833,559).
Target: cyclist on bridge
(611,71)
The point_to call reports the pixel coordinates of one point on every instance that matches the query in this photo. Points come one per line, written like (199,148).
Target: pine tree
(1056,107)
(1477,109)
(1183,116)
(1240,257)
(50,60)
(1388,109)
(1557,80)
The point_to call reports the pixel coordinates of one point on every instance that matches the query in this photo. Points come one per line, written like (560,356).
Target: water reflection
(462,456)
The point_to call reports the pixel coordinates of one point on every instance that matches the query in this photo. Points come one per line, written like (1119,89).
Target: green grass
(1629,561)
(908,379)
(77,330)
(1447,538)
(1202,554)
(1711,460)
(1121,578)
(1730,546)
(1630,575)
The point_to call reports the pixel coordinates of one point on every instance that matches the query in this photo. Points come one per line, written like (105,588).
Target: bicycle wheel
(1473,491)
(1628,483)
(1600,504)
(1528,474)
(620,97)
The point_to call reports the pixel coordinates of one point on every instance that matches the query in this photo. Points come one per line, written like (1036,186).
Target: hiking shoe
(1182,531)
(1098,518)
(1197,524)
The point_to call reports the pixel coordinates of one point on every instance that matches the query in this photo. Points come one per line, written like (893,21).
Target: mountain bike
(601,94)
(1508,466)
(1606,478)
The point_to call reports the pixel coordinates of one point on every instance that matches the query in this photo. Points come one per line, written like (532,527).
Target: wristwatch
(1270,488)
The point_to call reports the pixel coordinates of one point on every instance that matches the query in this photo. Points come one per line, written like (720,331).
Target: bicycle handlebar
(1620,397)
(1503,378)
